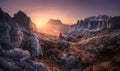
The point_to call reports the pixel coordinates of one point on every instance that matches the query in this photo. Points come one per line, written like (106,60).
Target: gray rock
(9,66)
(79,69)
(13,31)
(34,46)
(90,24)
(16,53)
(55,69)
(22,19)
(62,61)
(71,62)
(115,22)
(5,35)
(4,17)
(65,47)
(1,69)
(27,65)
(16,35)
(39,66)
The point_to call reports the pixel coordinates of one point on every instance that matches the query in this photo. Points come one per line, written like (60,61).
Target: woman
(60,37)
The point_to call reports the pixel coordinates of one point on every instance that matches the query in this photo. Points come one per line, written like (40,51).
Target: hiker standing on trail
(60,37)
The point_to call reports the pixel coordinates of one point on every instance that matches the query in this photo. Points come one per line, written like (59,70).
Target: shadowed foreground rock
(34,46)
(27,65)
(15,54)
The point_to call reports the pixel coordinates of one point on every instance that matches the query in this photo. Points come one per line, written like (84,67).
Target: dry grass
(104,66)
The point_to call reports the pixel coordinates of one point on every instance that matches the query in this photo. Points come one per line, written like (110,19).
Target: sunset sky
(68,11)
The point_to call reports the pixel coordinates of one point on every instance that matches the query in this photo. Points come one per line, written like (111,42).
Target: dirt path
(74,48)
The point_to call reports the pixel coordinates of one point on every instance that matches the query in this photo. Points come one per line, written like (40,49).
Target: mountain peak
(4,16)
(54,22)
(1,10)
(20,14)
(22,19)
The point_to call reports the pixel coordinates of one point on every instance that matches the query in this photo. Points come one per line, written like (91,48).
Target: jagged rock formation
(90,24)
(23,21)
(114,22)
(5,29)
(93,24)
(16,53)
(17,29)
(19,42)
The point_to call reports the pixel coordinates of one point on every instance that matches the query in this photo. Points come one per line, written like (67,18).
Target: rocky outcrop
(5,21)
(4,17)
(16,35)
(70,63)
(13,33)
(94,24)
(27,65)
(23,21)
(114,23)
(34,46)
(19,43)
(16,53)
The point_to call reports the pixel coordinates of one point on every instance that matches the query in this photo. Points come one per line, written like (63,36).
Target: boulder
(34,46)
(1,69)
(16,53)
(5,35)
(16,35)
(9,66)
(39,66)
(4,17)
(115,22)
(71,62)
(55,69)
(65,47)
(29,65)
(22,19)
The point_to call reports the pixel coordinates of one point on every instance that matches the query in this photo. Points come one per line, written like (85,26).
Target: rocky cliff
(19,44)
(93,24)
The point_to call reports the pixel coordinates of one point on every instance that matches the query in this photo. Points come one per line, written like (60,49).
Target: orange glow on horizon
(41,22)
(42,17)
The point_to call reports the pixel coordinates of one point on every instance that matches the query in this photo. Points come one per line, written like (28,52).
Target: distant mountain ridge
(90,24)
(93,24)
(54,22)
